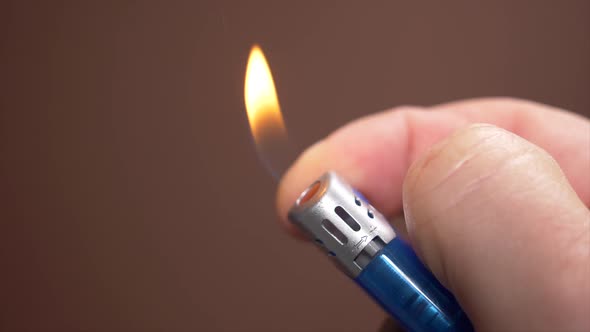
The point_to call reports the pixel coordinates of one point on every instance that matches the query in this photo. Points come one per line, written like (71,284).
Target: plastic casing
(399,282)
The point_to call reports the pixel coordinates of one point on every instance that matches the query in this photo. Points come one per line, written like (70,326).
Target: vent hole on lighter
(334,231)
(348,219)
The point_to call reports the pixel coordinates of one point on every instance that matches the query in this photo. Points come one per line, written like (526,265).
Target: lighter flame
(262,104)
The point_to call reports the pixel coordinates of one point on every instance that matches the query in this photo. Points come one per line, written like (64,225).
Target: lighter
(361,241)
(346,226)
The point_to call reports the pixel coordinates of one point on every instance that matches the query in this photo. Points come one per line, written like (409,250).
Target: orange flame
(264,112)
(262,103)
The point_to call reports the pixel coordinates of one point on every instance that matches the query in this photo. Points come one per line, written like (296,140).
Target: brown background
(132,197)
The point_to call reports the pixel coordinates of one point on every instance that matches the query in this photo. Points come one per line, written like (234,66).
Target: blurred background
(132,198)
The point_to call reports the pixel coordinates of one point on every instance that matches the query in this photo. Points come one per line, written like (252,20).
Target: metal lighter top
(342,222)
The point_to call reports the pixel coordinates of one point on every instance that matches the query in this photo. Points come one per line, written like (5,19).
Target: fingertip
(371,154)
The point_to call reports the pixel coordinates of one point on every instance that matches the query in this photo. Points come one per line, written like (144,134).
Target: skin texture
(498,211)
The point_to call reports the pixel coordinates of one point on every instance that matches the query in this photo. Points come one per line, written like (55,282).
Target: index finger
(374,153)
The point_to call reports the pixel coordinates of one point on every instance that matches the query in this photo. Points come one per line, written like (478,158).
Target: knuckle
(468,158)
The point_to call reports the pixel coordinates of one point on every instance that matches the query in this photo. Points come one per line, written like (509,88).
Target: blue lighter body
(399,282)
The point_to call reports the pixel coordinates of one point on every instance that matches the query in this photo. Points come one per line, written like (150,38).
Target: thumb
(497,222)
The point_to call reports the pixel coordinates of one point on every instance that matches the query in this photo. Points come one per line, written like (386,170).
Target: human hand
(500,216)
